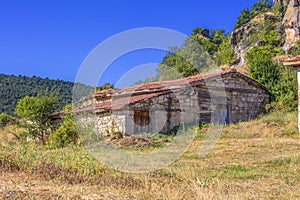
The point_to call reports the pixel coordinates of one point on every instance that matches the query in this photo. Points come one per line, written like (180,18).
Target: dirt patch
(137,141)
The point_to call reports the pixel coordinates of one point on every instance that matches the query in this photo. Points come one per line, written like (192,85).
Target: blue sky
(52,38)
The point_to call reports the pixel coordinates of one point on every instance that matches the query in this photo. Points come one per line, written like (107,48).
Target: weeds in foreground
(256,159)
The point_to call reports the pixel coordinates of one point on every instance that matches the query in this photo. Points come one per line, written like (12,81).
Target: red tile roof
(177,82)
(134,94)
(130,95)
(105,92)
(122,102)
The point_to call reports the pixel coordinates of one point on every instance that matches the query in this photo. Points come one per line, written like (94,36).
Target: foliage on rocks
(226,53)
(248,14)
(296,49)
(197,55)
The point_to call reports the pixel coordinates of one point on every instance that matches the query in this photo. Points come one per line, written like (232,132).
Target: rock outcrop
(282,2)
(291,23)
(250,34)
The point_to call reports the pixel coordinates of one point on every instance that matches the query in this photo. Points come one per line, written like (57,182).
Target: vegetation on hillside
(248,14)
(296,49)
(206,49)
(264,44)
(14,88)
(281,81)
(201,52)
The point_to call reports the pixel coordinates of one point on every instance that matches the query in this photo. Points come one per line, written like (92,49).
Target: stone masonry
(159,107)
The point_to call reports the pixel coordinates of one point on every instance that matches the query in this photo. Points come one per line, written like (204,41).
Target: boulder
(291,23)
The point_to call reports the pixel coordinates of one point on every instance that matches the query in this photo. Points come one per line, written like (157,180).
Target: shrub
(262,68)
(295,51)
(272,38)
(6,119)
(281,81)
(65,135)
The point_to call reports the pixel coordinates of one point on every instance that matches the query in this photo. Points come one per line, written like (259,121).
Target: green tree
(244,18)
(281,81)
(279,10)
(262,67)
(105,86)
(208,45)
(174,67)
(218,37)
(189,60)
(287,91)
(210,40)
(226,53)
(201,31)
(262,6)
(272,38)
(35,113)
(247,15)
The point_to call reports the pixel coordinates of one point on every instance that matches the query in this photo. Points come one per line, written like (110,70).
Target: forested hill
(14,88)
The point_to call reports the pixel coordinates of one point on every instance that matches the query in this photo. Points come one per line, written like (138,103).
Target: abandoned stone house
(225,97)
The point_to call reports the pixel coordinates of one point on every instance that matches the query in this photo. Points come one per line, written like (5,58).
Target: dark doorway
(141,118)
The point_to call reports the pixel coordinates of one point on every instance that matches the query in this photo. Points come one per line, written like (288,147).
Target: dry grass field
(259,159)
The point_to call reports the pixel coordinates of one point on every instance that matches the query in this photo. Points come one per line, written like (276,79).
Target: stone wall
(247,99)
(227,99)
(110,123)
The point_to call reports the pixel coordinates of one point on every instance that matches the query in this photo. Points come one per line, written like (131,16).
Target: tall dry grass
(258,159)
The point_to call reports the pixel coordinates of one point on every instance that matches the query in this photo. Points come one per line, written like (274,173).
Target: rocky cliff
(281,2)
(291,23)
(253,33)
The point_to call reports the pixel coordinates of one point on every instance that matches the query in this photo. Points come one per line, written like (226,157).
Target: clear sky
(52,38)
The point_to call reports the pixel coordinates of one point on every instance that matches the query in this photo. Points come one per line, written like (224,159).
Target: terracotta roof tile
(147,91)
(177,82)
(130,95)
(122,102)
